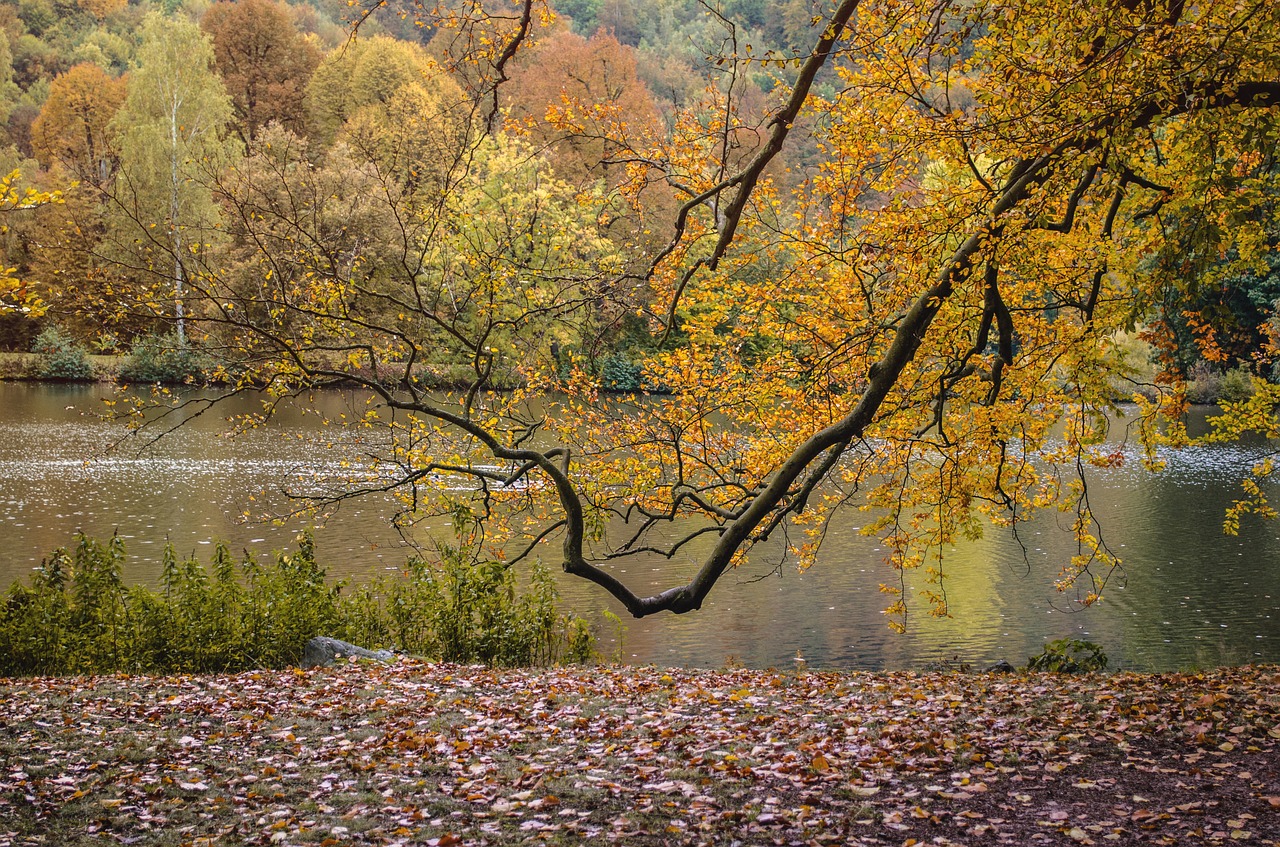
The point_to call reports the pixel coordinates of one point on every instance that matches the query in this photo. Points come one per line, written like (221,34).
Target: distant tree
(621,19)
(264,62)
(583,14)
(475,279)
(416,135)
(102,8)
(35,60)
(74,139)
(580,96)
(364,73)
(294,211)
(39,16)
(172,134)
(85,287)
(109,50)
(73,129)
(8,88)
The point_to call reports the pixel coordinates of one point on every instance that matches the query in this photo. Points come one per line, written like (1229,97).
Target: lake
(1189,596)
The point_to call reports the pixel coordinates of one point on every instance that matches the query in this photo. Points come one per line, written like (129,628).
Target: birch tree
(172,132)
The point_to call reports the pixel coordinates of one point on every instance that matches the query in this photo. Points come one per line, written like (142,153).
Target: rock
(323,651)
(1002,667)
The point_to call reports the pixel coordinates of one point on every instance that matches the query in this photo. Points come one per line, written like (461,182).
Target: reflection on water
(1188,596)
(58,474)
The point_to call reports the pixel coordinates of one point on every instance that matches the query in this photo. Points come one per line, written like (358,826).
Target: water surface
(1189,596)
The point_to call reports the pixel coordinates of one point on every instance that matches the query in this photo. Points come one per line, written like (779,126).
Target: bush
(459,610)
(1069,655)
(1237,385)
(60,357)
(1206,384)
(162,359)
(618,373)
(76,615)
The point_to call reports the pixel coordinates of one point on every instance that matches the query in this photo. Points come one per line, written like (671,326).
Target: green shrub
(76,615)
(163,359)
(60,357)
(459,610)
(1069,655)
(618,373)
(1237,385)
(1206,384)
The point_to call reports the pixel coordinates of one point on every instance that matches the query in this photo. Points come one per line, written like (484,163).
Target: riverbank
(446,755)
(25,367)
(114,369)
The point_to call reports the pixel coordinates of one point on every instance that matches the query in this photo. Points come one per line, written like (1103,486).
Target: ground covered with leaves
(417,753)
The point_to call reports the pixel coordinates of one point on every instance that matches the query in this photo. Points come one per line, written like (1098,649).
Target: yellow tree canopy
(73,128)
(925,328)
(15,294)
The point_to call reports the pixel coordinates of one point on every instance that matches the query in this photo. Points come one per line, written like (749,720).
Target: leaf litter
(435,754)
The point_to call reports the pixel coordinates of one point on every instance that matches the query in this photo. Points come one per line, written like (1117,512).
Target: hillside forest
(693,275)
(81,116)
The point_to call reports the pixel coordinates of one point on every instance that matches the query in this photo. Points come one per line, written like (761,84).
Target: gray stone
(323,651)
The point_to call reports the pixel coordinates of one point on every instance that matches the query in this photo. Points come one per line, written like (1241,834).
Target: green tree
(172,136)
(582,13)
(416,134)
(363,74)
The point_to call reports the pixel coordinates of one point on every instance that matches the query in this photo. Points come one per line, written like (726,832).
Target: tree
(74,139)
(928,332)
(73,128)
(264,62)
(473,281)
(8,89)
(102,8)
(15,295)
(365,73)
(591,85)
(1219,266)
(619,17)
(171,131)
(415,133)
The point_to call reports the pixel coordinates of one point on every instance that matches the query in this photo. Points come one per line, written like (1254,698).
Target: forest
(693,275)
(77,120)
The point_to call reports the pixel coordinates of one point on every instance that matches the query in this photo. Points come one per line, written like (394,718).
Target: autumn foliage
(448,755)
(897,263)
(926,329)
(264,62)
